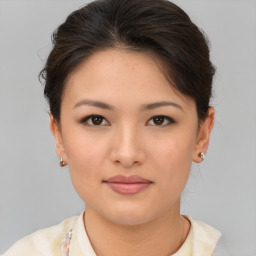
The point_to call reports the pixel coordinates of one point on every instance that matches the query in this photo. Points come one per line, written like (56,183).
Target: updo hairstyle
(156,26)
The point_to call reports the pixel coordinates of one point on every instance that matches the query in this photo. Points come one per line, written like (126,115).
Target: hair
(156,26)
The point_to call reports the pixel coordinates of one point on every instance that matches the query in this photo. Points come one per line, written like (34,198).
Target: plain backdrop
(36,193)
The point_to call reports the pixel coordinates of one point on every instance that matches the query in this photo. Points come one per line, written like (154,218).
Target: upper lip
(127,179)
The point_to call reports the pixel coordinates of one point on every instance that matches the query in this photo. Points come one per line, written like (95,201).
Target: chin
(128,220)
(128,217)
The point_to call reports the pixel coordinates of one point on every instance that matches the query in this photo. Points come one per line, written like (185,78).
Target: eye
(162,120)
(94,120)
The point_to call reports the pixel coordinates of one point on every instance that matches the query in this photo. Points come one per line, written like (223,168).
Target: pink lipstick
(128,185)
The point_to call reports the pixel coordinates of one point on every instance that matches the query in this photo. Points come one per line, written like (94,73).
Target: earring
(62,163)
(201,155)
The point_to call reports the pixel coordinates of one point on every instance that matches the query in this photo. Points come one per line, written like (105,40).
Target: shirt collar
(80,243)
(203,236)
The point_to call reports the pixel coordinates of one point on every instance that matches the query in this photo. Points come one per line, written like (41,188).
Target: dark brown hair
(157,26)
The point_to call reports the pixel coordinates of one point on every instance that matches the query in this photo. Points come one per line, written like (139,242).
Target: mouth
(127,185)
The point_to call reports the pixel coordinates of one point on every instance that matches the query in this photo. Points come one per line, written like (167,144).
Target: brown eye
(94,120)
(158,120)
(161,120)
(97,120)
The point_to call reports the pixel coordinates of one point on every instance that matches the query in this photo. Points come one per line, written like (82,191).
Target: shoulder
(205,237)
(43,242)
(202,229)
(221,249)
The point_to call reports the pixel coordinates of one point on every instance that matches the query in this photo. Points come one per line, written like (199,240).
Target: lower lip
(128,188)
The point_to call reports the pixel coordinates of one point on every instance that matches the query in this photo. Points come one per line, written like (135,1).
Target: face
(120,116)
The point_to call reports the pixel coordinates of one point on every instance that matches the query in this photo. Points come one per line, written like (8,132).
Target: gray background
(36,193)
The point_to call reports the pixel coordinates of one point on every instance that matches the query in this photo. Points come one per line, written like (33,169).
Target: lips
(128,185)
(128,180)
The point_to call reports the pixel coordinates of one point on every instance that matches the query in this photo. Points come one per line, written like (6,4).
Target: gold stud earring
(201,155)
(62,163)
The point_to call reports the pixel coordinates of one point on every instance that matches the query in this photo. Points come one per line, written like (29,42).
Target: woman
(128,84)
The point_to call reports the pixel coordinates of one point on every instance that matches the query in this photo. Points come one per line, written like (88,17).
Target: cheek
(173,159)
(84,149)
(85,155)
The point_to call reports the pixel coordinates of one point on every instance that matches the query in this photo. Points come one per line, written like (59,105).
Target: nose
(127,147)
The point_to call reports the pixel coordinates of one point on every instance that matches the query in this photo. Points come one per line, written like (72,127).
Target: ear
(203,136)
(56,132)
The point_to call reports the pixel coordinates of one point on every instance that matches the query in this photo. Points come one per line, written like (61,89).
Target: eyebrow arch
(143,107)
(159,104)
(94,103)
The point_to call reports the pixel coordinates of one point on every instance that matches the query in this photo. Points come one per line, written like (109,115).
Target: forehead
(121,73)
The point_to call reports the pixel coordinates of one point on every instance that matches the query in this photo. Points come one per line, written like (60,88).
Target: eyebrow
(143,107)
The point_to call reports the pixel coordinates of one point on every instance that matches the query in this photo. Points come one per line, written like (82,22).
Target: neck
(161,236)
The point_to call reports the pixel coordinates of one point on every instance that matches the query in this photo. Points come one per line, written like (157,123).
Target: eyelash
(86,118)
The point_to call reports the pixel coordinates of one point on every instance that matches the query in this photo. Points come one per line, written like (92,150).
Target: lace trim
(65,245)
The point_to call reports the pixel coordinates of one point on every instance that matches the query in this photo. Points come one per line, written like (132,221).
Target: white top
(55,240)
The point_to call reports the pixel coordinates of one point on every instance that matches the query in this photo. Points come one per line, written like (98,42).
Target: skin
(129,141)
